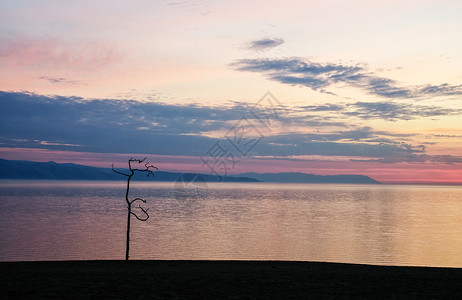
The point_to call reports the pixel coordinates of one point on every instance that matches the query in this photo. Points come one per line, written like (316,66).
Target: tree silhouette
(147,168)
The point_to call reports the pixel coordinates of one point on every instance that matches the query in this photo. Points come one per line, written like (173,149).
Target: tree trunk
(127,246)
(147,168)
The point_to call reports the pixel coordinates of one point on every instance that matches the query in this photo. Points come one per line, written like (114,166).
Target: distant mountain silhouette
(296,177)
(21,169)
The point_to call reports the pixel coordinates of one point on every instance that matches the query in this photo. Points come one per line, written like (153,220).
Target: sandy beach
(223,280)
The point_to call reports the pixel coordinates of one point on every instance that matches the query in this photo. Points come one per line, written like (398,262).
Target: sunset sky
(323,87)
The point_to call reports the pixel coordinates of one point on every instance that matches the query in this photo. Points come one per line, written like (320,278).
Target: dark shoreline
(223,280)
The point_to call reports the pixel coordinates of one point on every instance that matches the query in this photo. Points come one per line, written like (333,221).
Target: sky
(227,87)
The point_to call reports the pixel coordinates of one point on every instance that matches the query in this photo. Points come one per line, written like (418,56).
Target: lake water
(372,224)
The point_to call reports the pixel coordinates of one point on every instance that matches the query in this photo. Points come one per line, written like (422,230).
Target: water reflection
(397,225)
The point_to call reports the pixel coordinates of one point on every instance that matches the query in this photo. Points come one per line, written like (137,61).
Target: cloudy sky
(227,87)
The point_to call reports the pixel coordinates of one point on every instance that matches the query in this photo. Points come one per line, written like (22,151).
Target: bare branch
(140,161)
(137,160)
(118,171)
(149,169)
(136,199)
(134,160)
(148,166)
(145,211)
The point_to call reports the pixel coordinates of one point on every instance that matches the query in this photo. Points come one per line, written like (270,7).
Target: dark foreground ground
(223,280)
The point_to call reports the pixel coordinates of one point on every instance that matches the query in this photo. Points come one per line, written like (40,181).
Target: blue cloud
(264,44)
(393,111)
(415,158)
(318,76)
(385,110)
(125,126)
(355,142)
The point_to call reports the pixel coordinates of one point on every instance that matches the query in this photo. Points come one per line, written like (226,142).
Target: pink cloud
(53,53)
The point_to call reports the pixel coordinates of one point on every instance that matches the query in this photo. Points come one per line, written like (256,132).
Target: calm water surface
(373,224)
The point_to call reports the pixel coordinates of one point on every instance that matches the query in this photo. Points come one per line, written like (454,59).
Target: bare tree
(149,170)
